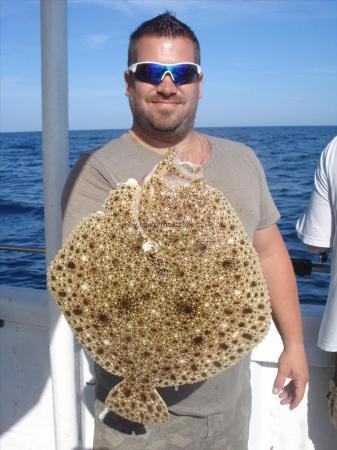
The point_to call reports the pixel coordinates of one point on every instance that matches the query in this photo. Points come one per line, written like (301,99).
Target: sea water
(289,156)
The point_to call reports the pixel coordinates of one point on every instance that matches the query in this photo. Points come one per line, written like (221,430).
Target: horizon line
(199,127)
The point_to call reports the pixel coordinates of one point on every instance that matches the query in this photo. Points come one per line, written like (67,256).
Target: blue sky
(265,62)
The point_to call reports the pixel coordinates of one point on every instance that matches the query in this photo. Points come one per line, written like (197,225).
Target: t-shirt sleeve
(269,214)
(315,227)
(84,193)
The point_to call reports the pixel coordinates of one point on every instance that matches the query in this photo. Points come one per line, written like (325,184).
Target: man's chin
(166,125)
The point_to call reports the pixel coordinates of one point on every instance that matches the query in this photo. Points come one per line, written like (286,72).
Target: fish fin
(138,403)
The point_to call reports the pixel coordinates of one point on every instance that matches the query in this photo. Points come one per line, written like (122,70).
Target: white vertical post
(55,169)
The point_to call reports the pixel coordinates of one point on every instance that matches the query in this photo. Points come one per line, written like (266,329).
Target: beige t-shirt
(232,169)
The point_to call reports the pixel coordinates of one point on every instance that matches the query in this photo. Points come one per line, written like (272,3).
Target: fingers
(141,182)
(279,382)
(287,394)
(282,391)
(291,394)
(298,393)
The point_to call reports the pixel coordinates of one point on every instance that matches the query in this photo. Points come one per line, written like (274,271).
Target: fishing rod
(302,267)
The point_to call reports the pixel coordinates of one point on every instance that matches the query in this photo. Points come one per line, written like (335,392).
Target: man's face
(164,109)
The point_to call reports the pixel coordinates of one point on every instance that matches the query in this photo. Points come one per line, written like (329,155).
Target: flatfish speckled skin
(162,289)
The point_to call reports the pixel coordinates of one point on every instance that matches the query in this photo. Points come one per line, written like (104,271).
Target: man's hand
(292,364)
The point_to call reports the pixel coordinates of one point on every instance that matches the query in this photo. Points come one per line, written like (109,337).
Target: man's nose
(167,87)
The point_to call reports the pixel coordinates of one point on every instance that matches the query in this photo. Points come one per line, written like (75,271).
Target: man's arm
(280,278)
(316,227)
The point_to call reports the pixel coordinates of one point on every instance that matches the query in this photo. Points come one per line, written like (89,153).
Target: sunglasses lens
(153,73)
(150,73)
(184,73)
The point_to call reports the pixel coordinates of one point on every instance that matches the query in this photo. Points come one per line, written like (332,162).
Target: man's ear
(200,81)
(127,82)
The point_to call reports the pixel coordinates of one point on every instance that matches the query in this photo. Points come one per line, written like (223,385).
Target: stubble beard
(162,124)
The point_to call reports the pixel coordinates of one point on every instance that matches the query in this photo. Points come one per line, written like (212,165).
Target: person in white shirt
(318,230)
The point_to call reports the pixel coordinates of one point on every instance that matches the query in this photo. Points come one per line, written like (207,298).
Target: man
(163,100)
(317,229)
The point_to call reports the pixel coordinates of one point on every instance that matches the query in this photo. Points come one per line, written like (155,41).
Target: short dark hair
(164,25)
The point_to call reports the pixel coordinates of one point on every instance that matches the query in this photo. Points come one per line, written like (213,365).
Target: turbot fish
(164,288)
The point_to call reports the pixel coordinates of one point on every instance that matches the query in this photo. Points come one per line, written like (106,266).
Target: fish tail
(138,403)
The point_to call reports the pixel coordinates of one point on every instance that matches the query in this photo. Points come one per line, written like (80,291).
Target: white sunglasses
(154,73)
